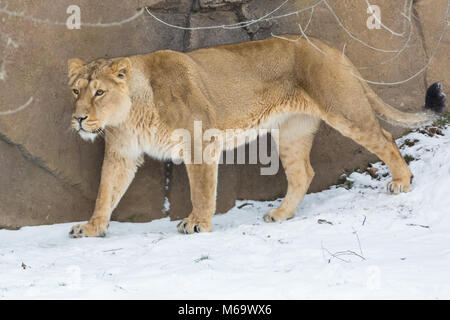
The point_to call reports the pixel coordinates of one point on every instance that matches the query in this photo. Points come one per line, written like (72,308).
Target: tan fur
(263,84)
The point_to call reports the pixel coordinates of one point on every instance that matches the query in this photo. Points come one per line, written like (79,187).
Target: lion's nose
(80,119)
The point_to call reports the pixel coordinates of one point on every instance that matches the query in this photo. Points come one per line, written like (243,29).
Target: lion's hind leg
(363,127)
(296,138)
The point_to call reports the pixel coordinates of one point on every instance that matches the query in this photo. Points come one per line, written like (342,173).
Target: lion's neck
(142,132)
(139,86)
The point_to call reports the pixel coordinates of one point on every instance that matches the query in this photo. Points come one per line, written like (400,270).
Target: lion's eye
(76,91)
(99,93)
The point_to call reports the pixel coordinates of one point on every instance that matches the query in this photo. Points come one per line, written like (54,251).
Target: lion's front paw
(189,226)
(88,230)
(278,215)
(397,186)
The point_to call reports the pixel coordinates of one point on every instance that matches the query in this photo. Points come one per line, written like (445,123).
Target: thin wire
(351,34)
(242,24)
(301,36)
(267,17)
(382,24)
(405,45)
(421,70)
(59,23)
(22,107)
(384,83)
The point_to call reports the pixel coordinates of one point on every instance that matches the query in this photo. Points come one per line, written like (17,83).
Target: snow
(391,247)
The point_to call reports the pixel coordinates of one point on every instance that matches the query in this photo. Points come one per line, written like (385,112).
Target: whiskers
(97,132)
(100,132)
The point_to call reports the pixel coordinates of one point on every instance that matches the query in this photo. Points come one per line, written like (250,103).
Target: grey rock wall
(48,175)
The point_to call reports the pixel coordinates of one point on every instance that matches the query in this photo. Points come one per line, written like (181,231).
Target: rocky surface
(49,175)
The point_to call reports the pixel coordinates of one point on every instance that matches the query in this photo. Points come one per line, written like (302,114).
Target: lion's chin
(87,136)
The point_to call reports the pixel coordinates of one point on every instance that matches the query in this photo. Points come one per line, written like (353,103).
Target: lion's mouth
(88,131)
(89,135)
(95,131)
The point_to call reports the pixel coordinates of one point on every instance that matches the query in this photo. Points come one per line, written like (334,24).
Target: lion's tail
(434,105)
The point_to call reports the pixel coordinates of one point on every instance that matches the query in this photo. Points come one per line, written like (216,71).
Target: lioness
(139,101)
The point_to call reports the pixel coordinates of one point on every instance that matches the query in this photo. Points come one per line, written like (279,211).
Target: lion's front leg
(117,174)
(203,184)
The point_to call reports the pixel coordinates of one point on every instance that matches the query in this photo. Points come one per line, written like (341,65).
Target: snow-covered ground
(357,243)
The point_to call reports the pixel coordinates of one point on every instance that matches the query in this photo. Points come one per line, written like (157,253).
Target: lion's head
(101,94)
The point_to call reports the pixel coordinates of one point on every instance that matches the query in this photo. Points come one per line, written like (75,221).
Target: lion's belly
(239,137)
(168,148)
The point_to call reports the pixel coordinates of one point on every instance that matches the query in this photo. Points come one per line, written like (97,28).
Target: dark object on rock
(435,98)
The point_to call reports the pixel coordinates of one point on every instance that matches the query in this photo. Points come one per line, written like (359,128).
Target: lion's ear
(74,66)
(121,68)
